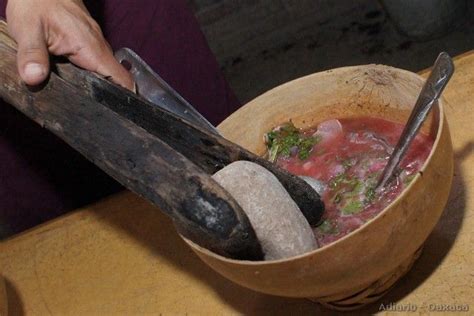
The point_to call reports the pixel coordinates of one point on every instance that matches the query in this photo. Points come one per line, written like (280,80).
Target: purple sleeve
(40,176)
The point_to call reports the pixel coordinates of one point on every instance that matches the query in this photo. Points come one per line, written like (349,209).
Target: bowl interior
(373,90)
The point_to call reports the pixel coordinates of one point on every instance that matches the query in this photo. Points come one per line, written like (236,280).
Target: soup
(347,156)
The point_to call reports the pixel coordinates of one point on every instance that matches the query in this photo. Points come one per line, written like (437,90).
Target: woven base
(361,297)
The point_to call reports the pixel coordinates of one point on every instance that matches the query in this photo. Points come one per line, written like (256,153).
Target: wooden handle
(202,210)
(207,150)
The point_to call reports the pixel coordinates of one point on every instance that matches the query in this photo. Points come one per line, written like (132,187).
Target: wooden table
(122,256)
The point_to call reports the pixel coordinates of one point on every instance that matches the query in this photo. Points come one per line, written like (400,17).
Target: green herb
(280,142)
(358,186)
(327,227)
(305,145)
(335,181)
(270,137)
(343,178)
(272,153)
(337,198)
(370,195)
(353,207)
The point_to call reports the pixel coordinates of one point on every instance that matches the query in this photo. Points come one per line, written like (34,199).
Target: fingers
(61,28)
(112,69)
(98,57)
(32,57)
(91,51)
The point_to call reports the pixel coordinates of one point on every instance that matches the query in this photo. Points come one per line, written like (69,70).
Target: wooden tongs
(155,153)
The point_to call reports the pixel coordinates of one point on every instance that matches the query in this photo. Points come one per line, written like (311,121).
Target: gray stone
(280,226)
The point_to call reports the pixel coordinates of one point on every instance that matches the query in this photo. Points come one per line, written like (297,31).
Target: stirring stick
(442,71)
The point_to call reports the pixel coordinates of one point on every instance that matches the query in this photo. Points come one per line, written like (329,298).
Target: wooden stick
(208,151)
(202,210)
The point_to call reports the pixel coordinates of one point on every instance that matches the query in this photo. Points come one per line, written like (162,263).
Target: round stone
(280,226)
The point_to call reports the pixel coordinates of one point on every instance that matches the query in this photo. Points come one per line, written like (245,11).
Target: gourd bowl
(362,266)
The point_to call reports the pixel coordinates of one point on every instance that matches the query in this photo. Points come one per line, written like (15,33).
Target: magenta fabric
(40,176)
(167,36)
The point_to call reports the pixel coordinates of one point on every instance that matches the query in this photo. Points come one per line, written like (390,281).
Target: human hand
(62,28)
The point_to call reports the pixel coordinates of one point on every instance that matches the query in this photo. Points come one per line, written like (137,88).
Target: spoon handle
(442,71)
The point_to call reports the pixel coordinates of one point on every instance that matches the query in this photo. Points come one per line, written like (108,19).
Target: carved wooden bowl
(362,266)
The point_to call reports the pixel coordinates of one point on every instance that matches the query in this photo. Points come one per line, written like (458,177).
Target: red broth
(348,156)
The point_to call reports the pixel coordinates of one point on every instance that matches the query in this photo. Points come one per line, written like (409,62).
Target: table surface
(123,256)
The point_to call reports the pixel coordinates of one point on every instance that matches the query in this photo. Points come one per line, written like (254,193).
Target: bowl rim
(441,118)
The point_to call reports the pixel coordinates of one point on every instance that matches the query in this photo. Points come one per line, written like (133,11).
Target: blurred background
(263,43)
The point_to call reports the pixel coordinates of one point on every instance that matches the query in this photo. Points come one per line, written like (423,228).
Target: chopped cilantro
(358,187)
(270,137)
(343,178)
(335,181)
(353,207)
(370,195)
(305,146)
(281,141)
(273,152)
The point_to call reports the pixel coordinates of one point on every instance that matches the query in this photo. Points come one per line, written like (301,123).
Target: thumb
(32,56)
